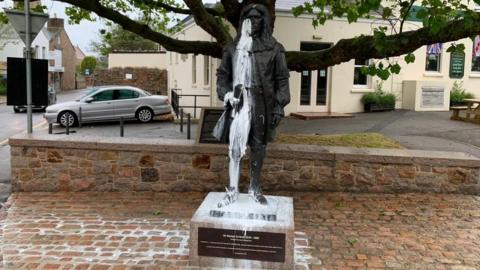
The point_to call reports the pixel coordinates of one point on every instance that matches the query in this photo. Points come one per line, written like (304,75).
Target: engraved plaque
(237,244)
(432,97)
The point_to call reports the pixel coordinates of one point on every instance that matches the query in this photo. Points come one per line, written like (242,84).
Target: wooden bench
(456,112)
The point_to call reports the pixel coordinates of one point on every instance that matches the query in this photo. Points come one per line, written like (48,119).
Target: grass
(369,140)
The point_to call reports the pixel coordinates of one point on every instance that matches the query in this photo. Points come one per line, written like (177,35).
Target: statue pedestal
(243,235)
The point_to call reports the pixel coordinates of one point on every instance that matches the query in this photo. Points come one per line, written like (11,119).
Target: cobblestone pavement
(150,231)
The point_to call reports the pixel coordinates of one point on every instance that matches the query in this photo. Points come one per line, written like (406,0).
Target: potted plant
(378,100)
(458,95)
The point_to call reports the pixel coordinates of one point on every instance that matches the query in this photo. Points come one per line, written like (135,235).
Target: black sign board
(457,65)
(239,244)
(17,82)
(208,120)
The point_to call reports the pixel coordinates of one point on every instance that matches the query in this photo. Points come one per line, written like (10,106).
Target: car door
(100,108)
(126,102)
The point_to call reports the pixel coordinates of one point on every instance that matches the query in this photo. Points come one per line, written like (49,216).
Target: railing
(176,102)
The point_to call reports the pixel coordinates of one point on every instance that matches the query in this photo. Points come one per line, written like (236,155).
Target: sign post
(22,23)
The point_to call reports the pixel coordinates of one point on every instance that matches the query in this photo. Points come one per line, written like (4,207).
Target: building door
(314,83)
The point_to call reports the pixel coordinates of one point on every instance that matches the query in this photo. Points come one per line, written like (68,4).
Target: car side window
(103,96)
(126,94)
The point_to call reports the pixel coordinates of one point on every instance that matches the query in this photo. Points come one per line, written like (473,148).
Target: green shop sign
(457,65)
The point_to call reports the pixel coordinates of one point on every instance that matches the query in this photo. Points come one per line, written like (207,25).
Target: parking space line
(4,142)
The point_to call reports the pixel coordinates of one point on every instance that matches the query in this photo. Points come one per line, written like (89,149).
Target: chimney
(55,23)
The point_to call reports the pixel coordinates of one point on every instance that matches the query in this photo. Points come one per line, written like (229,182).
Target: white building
(337,89)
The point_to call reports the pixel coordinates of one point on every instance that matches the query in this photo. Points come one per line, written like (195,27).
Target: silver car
(107,103)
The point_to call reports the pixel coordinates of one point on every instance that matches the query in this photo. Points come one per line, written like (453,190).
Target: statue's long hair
(265,41)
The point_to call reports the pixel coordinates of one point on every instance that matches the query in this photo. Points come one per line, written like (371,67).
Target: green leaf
(410,58)
(383,74)
(395,69)
(422,14)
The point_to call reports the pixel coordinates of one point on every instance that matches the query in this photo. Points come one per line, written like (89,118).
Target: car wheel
(15,109)
(145,115)
(67,118)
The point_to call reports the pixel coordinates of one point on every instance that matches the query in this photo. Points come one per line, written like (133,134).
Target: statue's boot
(234,172)
(256,163)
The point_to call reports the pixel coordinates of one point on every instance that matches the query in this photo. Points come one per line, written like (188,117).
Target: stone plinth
(243,235)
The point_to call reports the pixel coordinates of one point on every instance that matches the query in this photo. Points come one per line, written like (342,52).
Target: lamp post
(22,23)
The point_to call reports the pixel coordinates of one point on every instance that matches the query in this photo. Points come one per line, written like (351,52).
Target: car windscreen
(91,91)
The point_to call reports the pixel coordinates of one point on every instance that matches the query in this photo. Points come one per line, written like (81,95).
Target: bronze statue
(252,80)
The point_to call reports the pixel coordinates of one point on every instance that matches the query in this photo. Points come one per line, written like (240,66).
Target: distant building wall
(140,59)
(153,80)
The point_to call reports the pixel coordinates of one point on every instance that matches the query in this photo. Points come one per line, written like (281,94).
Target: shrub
(3,87)
(458,94)
(379,97)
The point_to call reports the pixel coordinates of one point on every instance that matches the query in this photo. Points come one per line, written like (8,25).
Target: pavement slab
(150,231)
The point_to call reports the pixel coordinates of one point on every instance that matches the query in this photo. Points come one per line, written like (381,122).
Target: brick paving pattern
(150,231)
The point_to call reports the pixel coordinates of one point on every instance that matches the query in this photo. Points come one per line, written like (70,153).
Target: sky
(80,34)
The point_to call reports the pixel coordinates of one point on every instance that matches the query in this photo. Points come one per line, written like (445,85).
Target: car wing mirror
(89,100)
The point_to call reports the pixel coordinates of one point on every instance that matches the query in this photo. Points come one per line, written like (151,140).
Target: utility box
(426,96)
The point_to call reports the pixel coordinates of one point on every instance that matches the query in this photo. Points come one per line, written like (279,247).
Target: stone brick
(406,171)
(458,175)
(201,161)
(54,156)
(151,79)
(149,175)
(107,155)
(128,158)
(181,158)
(290,165)
(146,161)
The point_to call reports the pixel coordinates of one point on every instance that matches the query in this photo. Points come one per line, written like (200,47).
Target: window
(37,52)
(206,70)
(194,69)
(476,55)
(171,58)
(126,94)
(43,53)
(104,96)
(176,58)
(360,79)
(434,57)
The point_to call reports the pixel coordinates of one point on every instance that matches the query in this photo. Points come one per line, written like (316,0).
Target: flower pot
(377,107)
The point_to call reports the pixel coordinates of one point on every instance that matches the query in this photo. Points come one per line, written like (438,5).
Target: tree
(89,63)
(443,21)
(116,38)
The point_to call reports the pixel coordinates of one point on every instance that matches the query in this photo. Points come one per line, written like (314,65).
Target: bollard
(121,127)
(80,117)
(188,125)
(181,120)
(67,126)
(50,128)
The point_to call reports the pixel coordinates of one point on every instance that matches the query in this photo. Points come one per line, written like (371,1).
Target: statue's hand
(229,98)
(276,120)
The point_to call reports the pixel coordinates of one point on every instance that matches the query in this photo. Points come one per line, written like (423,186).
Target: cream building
(422,85)
(148,59)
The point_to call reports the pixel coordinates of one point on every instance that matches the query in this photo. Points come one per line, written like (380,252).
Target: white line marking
(4,142)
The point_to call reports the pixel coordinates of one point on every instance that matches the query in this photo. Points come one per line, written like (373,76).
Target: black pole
(181,120)
(50,128)
(195,106)
(80,117)
(67,126)
(121,127)
(188,125)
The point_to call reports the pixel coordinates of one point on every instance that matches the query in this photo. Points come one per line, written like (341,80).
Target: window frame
(367,77)
(439,61)
(476,72)
(206,70)
(194,69)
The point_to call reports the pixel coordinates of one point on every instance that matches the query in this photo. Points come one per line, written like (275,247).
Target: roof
(287,5)
(79,54)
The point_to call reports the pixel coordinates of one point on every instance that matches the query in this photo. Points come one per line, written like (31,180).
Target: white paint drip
(240,126)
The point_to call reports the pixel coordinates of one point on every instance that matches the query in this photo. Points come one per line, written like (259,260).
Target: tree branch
(180,46)
(208,22)
(186,11)
(232,11)
(405,16)
(363,47)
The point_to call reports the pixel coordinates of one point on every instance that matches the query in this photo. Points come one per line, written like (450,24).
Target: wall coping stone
(286,151)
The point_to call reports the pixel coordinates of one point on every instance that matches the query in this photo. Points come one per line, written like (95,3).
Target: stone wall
(70,163)
(150,79)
